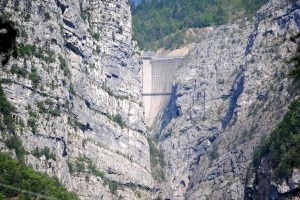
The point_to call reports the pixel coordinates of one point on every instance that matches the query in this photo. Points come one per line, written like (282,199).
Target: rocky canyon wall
(232,91)
(76,90)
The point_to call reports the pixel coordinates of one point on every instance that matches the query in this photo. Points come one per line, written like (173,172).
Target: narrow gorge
(111,123)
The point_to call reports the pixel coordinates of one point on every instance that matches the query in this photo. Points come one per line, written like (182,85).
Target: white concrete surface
(157,84)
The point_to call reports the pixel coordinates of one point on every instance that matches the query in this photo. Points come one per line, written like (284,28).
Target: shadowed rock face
(232,90)
(77,84)
(8,35)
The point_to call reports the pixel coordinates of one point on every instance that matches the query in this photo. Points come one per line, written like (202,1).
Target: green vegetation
(5,109)
(27,50)
(283,146)
(82,164)
(113,186)
(41,107)
(72,89)
(14,142)
(63,65)
(20,72)
(35,78)
(47,107)
(157,161)
(37,152)
(152,20)
(32,123)
(45,54)
(118,119)
(16,174)
(110,93)
(94,35)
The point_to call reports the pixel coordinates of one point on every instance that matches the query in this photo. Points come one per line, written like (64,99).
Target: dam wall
(158,75)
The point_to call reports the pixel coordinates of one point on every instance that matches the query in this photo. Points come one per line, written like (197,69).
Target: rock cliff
(76,90)
(234,94)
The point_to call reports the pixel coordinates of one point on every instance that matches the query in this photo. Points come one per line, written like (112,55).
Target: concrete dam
(157,76)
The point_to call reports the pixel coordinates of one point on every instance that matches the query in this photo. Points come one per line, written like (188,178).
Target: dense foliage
(283,146)
(17,175)
(155,19)
(5,111)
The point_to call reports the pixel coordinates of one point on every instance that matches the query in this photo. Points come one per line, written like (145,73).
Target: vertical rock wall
(232,91)
(80,97)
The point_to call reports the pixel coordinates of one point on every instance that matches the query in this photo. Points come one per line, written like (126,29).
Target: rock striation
(234,94)
(79,99)
(76,91)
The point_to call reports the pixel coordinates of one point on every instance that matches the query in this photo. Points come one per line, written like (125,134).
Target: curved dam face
(158,75)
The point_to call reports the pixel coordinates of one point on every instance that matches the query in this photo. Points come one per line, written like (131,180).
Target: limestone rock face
(236,91)
(80,97)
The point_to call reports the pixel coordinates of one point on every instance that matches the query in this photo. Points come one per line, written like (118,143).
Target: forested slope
(155,19)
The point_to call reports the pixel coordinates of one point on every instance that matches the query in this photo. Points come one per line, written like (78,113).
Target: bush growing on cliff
(20,72)
(32,123)
(17,175)
(63,65)
(35,78)
(27,50)
(14,142)
(5,109)
(37,152)
(283,146)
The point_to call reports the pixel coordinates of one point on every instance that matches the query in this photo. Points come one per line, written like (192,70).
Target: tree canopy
(155,19)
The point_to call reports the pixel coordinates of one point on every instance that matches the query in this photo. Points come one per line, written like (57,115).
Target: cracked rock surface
(236,91)
(81,95)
